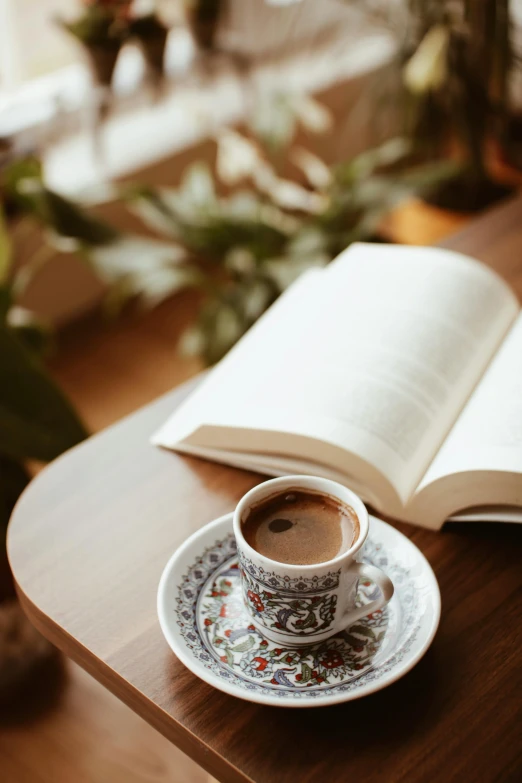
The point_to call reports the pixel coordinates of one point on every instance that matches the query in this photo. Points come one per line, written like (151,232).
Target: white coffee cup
(305,604)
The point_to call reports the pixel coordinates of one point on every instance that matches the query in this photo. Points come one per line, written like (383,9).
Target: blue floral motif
(295,613)
(297,584)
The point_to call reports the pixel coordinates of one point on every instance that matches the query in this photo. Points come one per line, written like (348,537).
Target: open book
(395,370)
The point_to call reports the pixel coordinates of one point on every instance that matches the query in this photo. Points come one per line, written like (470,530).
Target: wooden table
(92,533)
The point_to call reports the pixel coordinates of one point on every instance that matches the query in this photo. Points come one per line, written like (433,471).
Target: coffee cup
(296,604)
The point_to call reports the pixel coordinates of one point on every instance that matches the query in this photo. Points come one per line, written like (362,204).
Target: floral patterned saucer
(203,618)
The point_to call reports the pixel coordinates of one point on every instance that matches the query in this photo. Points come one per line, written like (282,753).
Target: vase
(203,21)
(153,48)
(102,60)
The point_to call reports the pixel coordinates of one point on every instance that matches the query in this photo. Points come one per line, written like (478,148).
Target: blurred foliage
(102,23)
(204,17)
(455,62)
(458,62)
(246,247)
(103,26)
(36,420)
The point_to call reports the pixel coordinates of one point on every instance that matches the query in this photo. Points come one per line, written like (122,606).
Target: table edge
(101,671)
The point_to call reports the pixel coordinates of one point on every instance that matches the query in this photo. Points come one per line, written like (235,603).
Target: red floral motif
(232,610)
(255,600)
(331,659)
(226,614)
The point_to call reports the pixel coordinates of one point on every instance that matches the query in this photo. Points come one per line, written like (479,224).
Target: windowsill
(135,137)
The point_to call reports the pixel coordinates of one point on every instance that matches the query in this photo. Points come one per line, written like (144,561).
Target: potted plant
(204,17)
(102,28)
(37,423)
(457,60)
(246,247)
(151,34)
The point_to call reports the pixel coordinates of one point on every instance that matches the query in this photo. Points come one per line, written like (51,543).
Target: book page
(487,436)
(376,355)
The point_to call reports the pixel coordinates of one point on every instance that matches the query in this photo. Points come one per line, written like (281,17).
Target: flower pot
(204,21)
(465,193)
(153,48)
(512,141)
(102,60)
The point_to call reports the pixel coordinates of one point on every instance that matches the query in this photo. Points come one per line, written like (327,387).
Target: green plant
(36,420)
(101,28)
(203,17)
(246,247)
(102,23)
(458,63)
(456,59)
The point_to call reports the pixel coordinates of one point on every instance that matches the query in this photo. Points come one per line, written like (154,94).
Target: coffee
(301,527)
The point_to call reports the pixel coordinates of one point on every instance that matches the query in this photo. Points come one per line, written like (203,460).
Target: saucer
(204,621)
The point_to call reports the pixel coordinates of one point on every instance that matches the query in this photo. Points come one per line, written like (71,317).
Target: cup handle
(384,584)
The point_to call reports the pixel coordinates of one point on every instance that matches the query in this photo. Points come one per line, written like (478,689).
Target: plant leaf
(197,186)
(137,266)
(363,630)
(244,646)
(24,182)
(387,154)
(22,179)
(36,420)
(35,335)
(5,302)
(70,220)
(152,209)
(13,480)
(306,673)
(5,249)
(273,119)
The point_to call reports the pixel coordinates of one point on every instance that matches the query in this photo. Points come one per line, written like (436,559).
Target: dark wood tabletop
(90,537)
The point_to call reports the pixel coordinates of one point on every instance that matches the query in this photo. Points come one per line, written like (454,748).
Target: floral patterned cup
(305,604)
